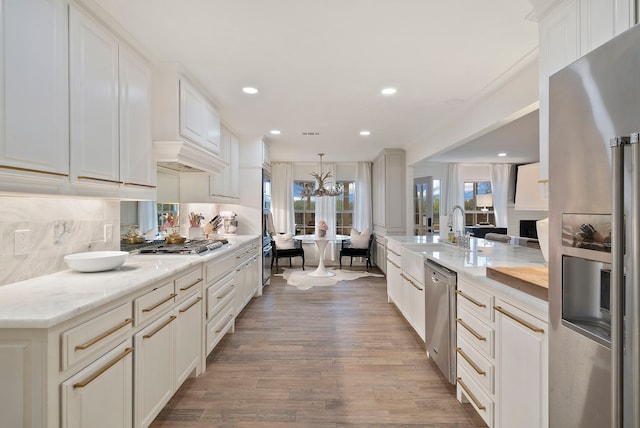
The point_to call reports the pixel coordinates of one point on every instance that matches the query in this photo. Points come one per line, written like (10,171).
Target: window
(476,213)
(304,208)
(344,208)
(168,217)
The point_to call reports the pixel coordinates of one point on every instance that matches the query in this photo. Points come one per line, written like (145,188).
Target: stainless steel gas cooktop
(192,246)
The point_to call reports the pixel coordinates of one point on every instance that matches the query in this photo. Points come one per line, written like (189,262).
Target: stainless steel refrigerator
(594,238)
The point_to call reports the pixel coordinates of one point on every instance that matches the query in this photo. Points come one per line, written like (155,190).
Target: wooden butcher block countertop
(531,280)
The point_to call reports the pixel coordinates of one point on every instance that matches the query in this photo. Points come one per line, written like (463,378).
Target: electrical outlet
(21,242)
(108,232)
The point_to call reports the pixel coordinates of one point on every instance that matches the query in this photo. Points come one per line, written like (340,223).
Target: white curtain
(326,207)
(500,174)
(362,198)
(455,192)
(282,197)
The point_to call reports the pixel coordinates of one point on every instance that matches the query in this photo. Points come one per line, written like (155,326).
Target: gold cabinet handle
(103,335)
(471,363)
(85,177)
(189,286)
(166,323)
(86,382)
(470,395)
(190,306)
(220,297)
(519,320)
(17,168)
(472,331)
(160,303)
(390,261)
(471,299)
(149,186)
(394,252)
(410,281)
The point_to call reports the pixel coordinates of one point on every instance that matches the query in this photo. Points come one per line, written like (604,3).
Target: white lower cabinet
(394,281)
(154,368)
(522,361)
(99,396)
(502,362)
(188,337)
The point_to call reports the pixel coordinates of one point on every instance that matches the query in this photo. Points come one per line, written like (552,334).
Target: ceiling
(319,66)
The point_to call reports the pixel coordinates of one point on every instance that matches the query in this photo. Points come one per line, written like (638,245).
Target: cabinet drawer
(154,302)
(219,326)
(219,295)
(465,385)
(475,332)
(394,249)
(475,300)
(220,267)
(188,282)
(480,368)
(93,336)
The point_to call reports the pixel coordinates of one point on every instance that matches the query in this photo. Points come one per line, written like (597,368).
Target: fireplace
(528,229)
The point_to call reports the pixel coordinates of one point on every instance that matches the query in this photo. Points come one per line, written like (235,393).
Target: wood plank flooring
(337,356)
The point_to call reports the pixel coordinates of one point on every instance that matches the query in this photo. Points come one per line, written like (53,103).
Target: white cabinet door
(154,381)
(94,100)
(137,164)
(212,129)
(234,167)
(100,395)
(188,347)
(522,368)
(227,183)
(34,107)
(394,282)
(192,113)
(378,192)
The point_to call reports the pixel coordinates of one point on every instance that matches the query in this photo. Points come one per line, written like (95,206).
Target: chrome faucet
(461,237)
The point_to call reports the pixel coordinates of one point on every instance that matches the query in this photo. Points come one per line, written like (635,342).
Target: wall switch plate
(108,232)
(21,242)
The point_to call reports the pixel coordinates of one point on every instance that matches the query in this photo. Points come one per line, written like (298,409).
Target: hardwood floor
(334,356)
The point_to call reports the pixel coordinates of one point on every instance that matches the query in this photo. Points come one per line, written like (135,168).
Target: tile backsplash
(57,227)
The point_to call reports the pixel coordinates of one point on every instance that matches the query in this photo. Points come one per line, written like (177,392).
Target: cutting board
(531,280)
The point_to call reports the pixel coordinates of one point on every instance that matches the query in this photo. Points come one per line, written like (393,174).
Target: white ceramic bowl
(96,261)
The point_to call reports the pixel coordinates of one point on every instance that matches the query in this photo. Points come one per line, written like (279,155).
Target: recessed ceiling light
(503,154)
(389,91)
(365,133)
(275,132)
(249,90)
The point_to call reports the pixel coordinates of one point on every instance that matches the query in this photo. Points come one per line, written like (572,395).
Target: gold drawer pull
(160,303)
(16,168)
(189,286)
(470,395)
(84,177)
(390,261)
(519,320)
(190,306)
(394,252)
(102,370)
(471,363)
(472,331)
(471,299)
(410,281)
(103,335)
(223,295)
(166,323)
(139,185)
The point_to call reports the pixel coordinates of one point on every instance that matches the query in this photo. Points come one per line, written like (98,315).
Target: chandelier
(322,189)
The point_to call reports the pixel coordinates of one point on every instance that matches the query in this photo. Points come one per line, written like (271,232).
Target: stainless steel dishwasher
(440,317)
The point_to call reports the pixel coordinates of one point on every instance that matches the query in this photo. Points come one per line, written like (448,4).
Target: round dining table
(321,242)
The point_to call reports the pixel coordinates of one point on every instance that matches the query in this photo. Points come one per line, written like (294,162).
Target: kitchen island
(110,348)
(501,331)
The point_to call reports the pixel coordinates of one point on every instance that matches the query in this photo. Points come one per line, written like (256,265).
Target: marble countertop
(49,300)
(471,264)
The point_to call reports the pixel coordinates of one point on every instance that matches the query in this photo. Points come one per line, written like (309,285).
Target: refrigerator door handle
(617,281)
(635,280)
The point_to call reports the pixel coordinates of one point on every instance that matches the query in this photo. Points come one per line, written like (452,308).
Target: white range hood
(184,156)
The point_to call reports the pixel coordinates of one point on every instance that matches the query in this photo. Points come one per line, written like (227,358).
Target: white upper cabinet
(211,128)
(570,29)
(34,113)
(95,155)
(137,164)
(110,93)
(199,120)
